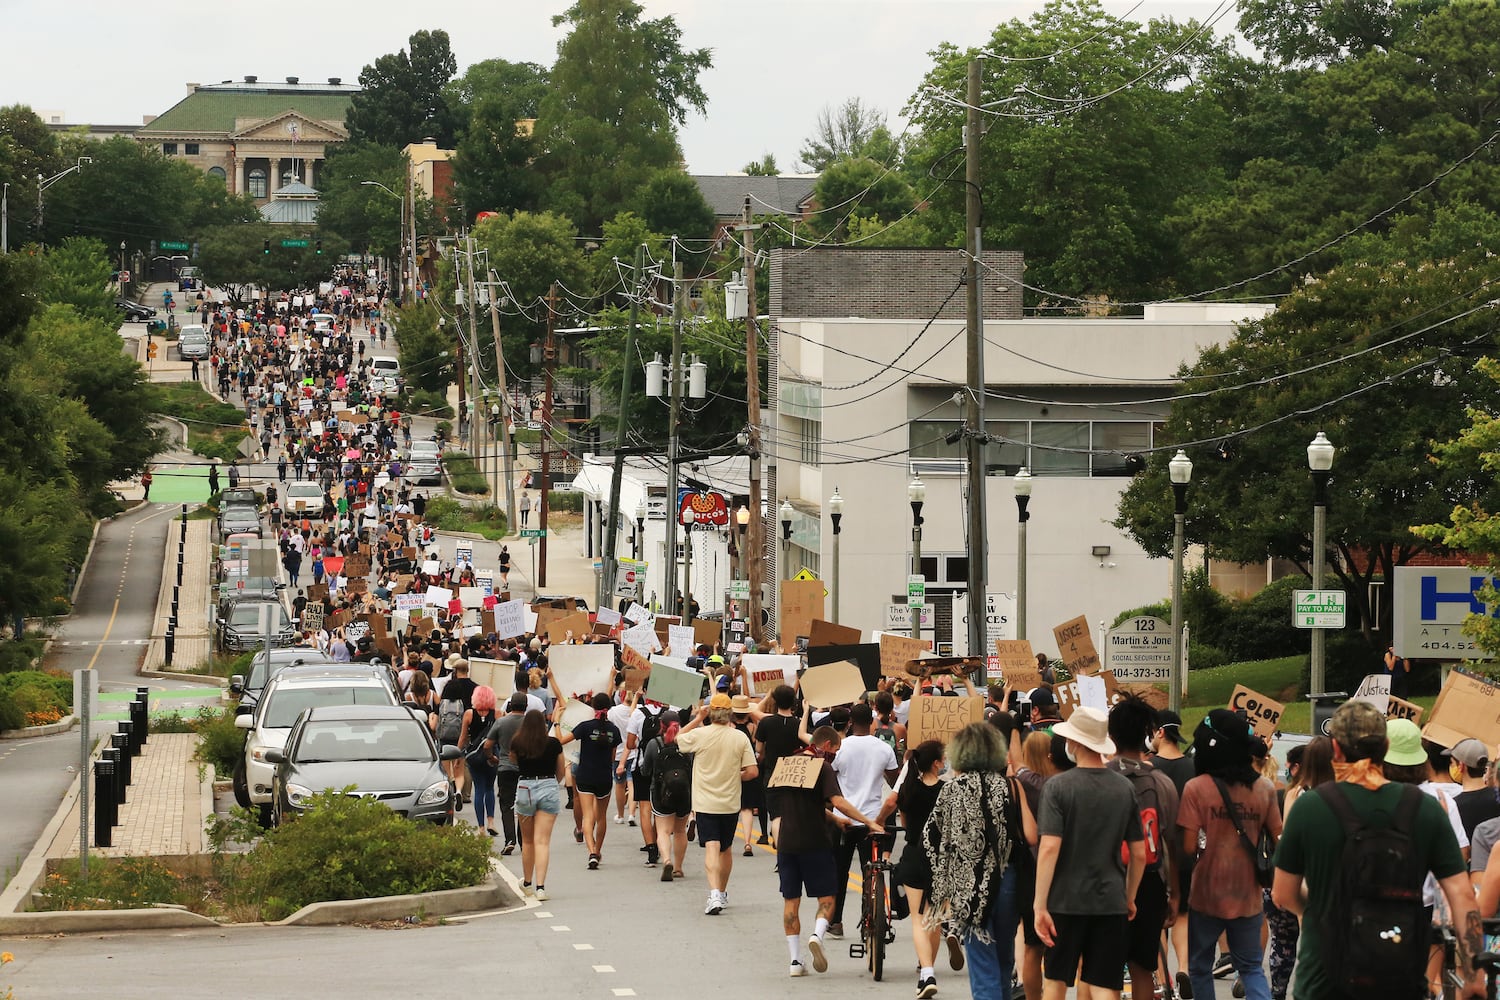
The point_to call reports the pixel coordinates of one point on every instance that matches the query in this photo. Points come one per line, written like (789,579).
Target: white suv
(288,694)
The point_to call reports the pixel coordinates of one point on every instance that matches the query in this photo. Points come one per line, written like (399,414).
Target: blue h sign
(1432,597)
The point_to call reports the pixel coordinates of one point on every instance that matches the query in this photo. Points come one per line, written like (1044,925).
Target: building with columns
(259,137)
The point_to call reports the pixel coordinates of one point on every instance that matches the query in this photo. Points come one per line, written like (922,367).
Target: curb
(440,903)
(207,680)
(50,729)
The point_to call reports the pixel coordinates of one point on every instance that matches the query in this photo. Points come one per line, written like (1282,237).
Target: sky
(777,63)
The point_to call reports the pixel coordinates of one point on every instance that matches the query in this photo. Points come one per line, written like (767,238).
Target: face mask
(1068,752)
(1150,745)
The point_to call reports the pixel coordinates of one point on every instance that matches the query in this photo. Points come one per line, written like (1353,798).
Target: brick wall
(888,283)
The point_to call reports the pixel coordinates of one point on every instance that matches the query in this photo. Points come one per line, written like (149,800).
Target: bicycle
(1488,961)
(875,931)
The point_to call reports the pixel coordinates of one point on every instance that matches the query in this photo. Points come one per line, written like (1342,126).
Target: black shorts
(598,789)
(816,872)
(1143,947)
(773,803)
(718,828)
(1099,941)
(640,786)
(670,803)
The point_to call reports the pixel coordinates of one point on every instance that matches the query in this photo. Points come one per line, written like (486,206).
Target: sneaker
(508,849)
(541,894)
(632,821)
(666,873)
(593,862)
(815,949)
(834,931)
(646,847)
(1223,966)
(653,856)
(712,908)
(1239,988)
(798,970)
(763,840)
(927,987)
(619,821)
(578,836)
(1184,986)
(955,953)
(527,889)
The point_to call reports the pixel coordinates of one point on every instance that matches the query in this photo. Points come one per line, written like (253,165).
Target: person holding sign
(806,789)
(722,760)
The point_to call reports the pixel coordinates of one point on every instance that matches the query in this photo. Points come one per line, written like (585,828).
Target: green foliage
(1336,29)
(492,163)
(447,514)
(19,654)
(78,273)
(32,697)
(222,744)
(531,250)
(424,349)
(859,189)
(565,501)
(671,203)
(128,883)
(763,167)
(363,216)
(464,474)
(852,131)
(428,403)
(215,429)
(402,95)
(344,847)
(234,258)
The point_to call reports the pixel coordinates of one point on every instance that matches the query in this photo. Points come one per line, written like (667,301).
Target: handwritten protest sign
(312,617)
(582,669)
(1468,706)
(937,718)
(1069,697)
(641,638)
(1375,689)
(796,771)
(896,650)
(635,614)
(680,639)
(607,616)
(765,671)
(1397,708)
(1018,663)
(510,619)
(1077,646)
(1264,713)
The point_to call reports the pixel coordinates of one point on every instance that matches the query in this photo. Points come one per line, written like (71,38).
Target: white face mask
(1150,745)
(1068,752)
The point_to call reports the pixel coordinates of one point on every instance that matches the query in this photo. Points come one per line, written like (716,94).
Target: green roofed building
(258,137)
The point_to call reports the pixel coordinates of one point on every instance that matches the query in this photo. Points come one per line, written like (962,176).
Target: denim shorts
(534,795)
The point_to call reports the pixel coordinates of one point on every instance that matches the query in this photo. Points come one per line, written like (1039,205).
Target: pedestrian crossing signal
(319,247)
(265,246)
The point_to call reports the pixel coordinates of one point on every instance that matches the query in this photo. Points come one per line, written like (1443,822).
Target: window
(1006,451)
(926,440)
(169,149)
(1060,448)
(1046,447)
(255,183)
(217,173)
(191,148)
(810,441)
(1114,442)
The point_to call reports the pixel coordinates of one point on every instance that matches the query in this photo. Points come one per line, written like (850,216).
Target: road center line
(105,638)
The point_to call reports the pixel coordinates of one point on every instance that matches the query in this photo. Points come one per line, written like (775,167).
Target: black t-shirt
(461,688)
(1476,806)
(779,734)
(544,766)
(597,740)
(804,815)
(1180,769)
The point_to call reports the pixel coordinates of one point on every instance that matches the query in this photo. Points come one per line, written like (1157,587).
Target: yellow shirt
(719,752)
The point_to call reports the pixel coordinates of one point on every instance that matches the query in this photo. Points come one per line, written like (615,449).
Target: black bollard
(104,803)
(120,743)
(171,646)
(127,728)
(137,727)
(116,786)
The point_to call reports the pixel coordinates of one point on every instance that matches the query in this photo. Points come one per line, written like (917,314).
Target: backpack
(450,720)
(672,776)
(1149,805)
(1374,927)
(650,727)
(886,732)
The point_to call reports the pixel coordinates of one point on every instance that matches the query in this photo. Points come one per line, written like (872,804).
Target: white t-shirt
(861,765)
(1444,794)
(620,716)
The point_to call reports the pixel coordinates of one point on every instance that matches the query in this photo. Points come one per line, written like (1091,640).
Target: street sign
(898,618)
(1139,651)
(916,590)
(287,244)
(173,245)
(533,532)
(1429,607)
(124,277)
(1318,609)
(629,575)
(999,618)
(739,590)
(804,575)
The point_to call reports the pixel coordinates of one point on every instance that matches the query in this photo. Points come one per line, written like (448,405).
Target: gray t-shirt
(502,732)
(1093,810)
(1482,843)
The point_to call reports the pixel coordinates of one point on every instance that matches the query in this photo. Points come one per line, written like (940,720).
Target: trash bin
(1323,707)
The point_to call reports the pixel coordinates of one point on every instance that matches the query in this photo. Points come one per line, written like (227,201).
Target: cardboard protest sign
(582,670)
(796,771)
(680,640)
(1076,645)
(312,616)
(487,619)
(1398,708)
(765,671)
(317,592)
(577,624)
(1264,713)
(546,614)
(637,668)
(660,624)
(355,565)
(1018,663)
(1468,706)
(674,684)
(927,665)
(482,671)
(1069,697)
(821,633)
(707,632)
(832,684)
(934,717)
(865,655)
(896,650)
(801,602)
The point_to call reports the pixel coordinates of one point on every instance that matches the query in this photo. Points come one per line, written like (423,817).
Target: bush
(426,403)
(128,883)
(1260,627)
(569,501)
(222,744)
(19,654)
(33,698)
(464,474)
(344,847)
(1201,657)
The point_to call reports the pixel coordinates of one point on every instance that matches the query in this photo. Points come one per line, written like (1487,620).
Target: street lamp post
(1022,487)
(916,492)
(785,513)
(836,515)
(1180,470)
(122,260)
(1319,462)
(688,519)
(401,227)
(640,529)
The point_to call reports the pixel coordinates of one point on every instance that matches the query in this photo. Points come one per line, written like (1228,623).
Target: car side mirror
(237,684)
(274,757)
(450,752)
(244,721)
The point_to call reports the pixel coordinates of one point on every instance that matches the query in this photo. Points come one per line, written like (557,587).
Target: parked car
(423,470)
(240,520)
(385,753)
(240,495)
(263,668)
(240,629)
(193,343)
(134,311)
(287,696)
(302,495)
(188,279)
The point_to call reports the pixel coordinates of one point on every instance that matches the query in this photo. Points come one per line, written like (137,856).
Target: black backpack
(1375,929)
(672,774)
(650,727)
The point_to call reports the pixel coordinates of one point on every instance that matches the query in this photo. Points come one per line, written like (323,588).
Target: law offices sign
(1429,606)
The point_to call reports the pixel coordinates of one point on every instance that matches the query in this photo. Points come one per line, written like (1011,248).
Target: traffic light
(265,246)
(319,247)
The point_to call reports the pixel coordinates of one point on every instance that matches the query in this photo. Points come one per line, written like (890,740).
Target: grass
(448,514)
(215,429)
(464,474)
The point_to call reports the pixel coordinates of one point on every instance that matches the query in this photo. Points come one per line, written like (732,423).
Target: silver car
(381,753)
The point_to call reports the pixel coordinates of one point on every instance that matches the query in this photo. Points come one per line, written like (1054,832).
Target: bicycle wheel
(880,917)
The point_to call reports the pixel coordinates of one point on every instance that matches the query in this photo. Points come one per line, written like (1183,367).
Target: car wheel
(241,784)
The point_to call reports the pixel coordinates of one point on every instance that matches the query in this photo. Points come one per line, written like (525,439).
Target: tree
(619,89)
(1380,351)
(402,96)
(613,263)
(78,274)
(850,131)
(858,189)
(426,348)
(363,215)
(235,259)
(1329,30)
(672,204)
(27,148)
(492,168)
(523,84)
(763,167)
(529,251)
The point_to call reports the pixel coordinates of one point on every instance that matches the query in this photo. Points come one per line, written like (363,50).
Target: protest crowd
(1044,832)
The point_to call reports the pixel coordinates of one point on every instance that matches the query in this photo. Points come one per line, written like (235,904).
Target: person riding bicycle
(805,861)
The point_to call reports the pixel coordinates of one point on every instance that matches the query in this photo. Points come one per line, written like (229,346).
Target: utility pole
(611,528)
(674,443)
(415,285)
(549,360)
(476,419)
(974,408)
(505,446)
(756,540)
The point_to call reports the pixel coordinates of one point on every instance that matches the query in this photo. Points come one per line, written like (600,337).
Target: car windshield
(387,739)
(287,703)
(249,614)
(304,490)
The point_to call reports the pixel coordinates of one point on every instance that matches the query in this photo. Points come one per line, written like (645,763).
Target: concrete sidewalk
(195,596)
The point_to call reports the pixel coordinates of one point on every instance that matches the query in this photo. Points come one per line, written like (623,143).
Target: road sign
(739,590)
(533,532)
(150,348)
(1428,610)
(124,277)
(916,590)
(173,245)
(287,244)
(629,575)
(1318,609)
(804,575)
(1139,651)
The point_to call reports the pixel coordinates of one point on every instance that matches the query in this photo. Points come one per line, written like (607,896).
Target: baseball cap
(1357,721)
(721,700)
(1470,753)
(1406,743)
(1041,698)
